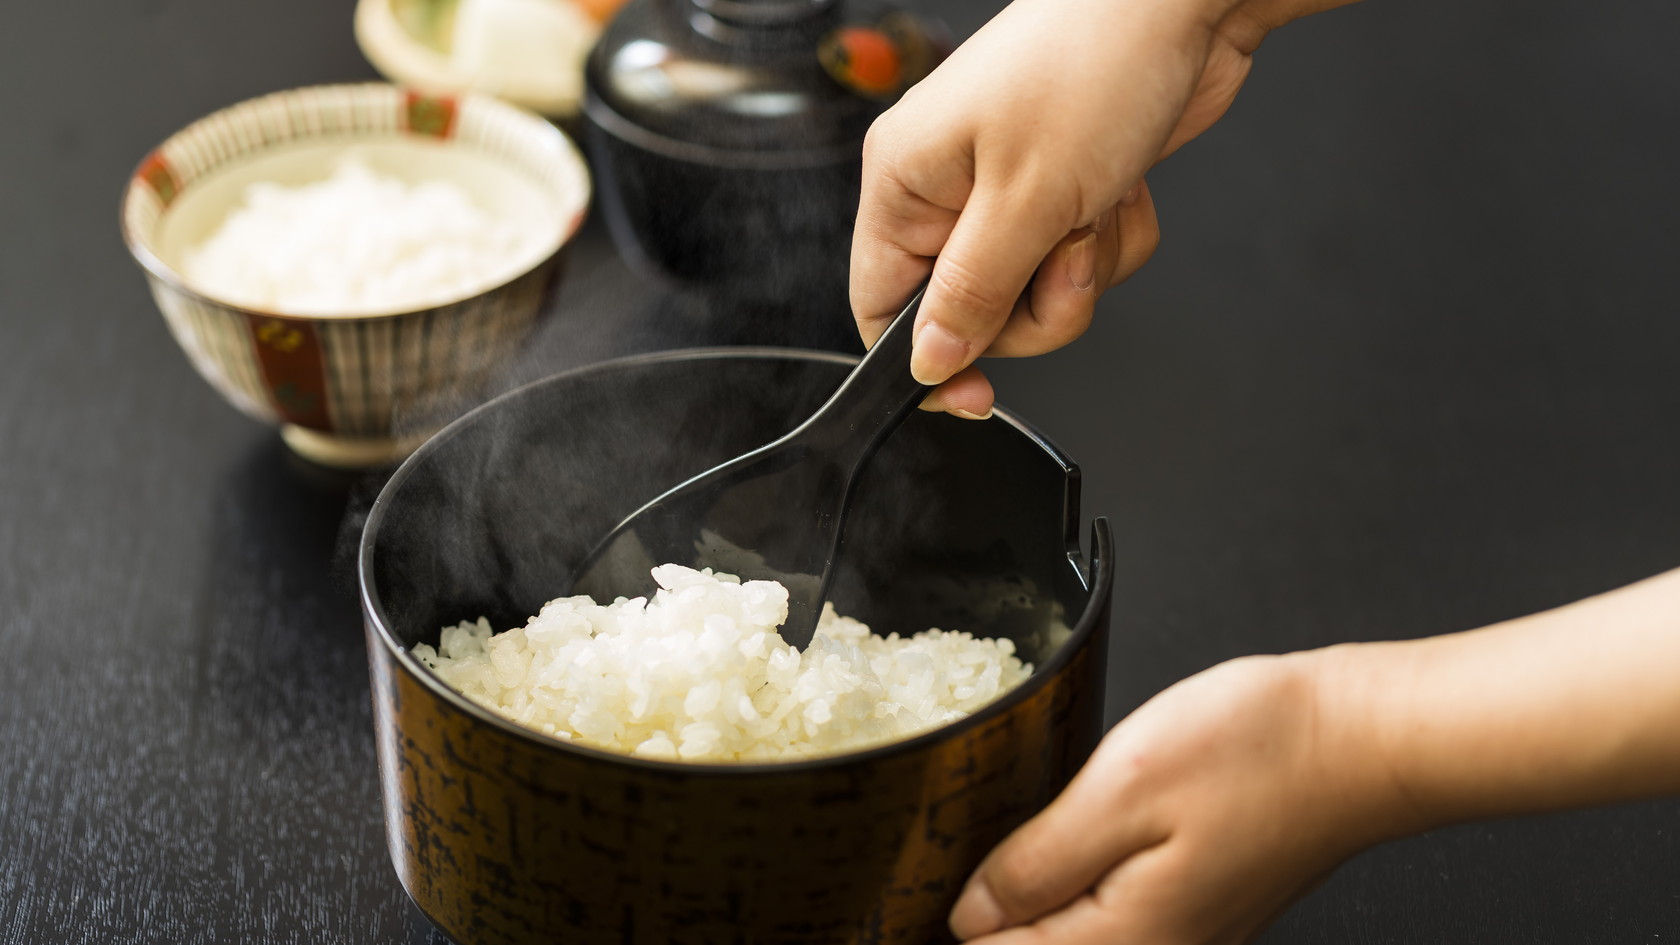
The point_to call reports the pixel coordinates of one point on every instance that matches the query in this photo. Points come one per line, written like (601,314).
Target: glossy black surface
(505,837)
(698,228)
(1405,364)
(728,156)
(713,83)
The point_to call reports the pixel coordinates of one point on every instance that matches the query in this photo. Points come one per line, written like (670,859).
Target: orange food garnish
(871,59)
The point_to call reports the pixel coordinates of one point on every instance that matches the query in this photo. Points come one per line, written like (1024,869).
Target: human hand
(1019,164)
(1206,811)
(1198,818)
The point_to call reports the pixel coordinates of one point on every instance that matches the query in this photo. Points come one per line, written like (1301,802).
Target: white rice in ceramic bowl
(700,674)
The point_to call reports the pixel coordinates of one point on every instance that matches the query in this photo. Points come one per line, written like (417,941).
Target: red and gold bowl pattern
(356,389)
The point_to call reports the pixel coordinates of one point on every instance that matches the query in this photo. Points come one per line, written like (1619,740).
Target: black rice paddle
(776,512)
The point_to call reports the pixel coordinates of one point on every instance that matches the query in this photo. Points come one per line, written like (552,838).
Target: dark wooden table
(1408,362)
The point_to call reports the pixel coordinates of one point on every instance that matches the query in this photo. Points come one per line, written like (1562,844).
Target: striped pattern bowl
(358,389)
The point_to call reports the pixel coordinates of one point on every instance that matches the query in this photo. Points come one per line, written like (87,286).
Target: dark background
(1405,364)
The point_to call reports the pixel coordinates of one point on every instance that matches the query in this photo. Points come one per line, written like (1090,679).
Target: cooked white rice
(358,241)
(700,674)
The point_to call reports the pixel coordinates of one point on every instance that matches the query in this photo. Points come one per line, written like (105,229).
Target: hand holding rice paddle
(774,513)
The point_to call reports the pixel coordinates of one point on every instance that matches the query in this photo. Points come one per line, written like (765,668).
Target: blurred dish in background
(727,141)
(529,52)
(355,380)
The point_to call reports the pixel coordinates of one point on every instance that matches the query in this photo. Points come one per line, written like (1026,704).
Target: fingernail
(936,354)
(976,913)
(1082,262)
(971,415)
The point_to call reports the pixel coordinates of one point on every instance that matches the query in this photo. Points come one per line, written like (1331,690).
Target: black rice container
(503,835)
(726,137)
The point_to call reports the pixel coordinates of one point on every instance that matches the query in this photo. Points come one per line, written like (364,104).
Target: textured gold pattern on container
(502,838)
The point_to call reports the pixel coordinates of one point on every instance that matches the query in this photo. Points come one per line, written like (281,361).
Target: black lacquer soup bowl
(504,835)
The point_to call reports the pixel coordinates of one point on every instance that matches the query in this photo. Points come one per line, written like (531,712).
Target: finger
(1166,895)
(1177,891)
(897,235)
(1053,858)
(1057,307)
(1060,305)
(1144,900)
(884,274)
(1093,919)
(993,251)
(899,228)
(967,395)
(1139,233)
(1083,922)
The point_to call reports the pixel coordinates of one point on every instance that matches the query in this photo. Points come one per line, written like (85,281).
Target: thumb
(1058,855)
(994,249)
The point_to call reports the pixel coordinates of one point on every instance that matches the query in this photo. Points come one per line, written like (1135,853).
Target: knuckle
(1151,241)
(1048,336)
(1051,321)
(1018,880)
(881,145)
(873,145)
(1065,325)
(1135,252)
(963,289)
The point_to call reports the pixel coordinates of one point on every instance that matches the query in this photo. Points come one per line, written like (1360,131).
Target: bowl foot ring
(348,452)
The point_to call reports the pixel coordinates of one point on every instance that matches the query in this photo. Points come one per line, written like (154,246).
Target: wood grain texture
(1406,363)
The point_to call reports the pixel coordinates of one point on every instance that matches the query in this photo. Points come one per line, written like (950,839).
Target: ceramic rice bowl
(363,388)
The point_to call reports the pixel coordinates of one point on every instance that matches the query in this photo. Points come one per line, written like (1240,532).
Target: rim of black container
(598,111)
(1097,563)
